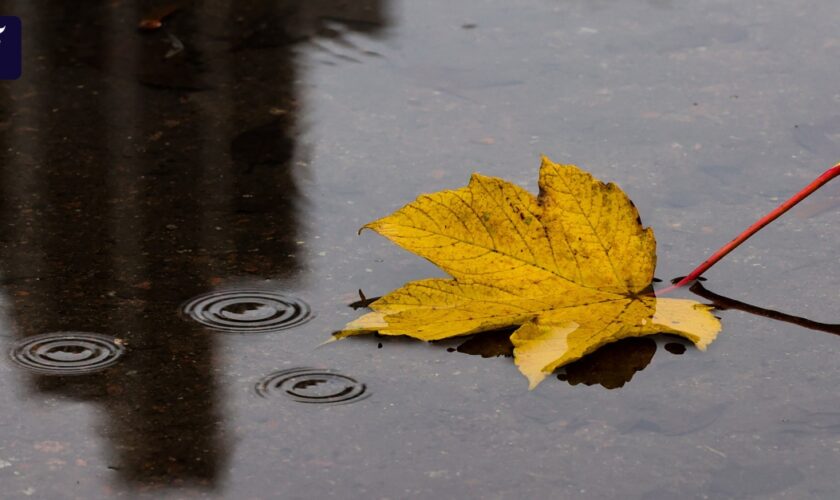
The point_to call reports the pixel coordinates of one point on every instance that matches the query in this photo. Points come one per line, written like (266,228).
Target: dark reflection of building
(132,181)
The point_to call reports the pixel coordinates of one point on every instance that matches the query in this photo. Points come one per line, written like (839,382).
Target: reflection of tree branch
(723,303)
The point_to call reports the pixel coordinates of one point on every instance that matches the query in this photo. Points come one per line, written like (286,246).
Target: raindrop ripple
(314,386)
(247,311)
(67,353)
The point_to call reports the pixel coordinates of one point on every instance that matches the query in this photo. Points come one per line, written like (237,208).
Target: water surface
(136,176)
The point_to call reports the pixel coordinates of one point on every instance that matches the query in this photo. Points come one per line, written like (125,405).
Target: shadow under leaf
(611,366)
(488,345)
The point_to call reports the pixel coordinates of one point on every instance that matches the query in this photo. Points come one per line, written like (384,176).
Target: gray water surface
(242,165)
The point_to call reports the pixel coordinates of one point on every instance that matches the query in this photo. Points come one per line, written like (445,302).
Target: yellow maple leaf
(570,267)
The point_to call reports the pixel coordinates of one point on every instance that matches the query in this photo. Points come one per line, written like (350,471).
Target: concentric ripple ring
(67,353)
(314,386)
(247,311)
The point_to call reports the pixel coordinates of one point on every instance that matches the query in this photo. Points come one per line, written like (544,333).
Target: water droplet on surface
(247,311)
(67,353)
(311,385)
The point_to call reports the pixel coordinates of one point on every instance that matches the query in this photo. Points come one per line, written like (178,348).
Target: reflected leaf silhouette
(675,348)
(611,366)
(489,345)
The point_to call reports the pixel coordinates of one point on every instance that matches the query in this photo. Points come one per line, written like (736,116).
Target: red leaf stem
(760,223)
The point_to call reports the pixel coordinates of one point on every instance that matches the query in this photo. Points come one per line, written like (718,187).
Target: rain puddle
(188,179)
